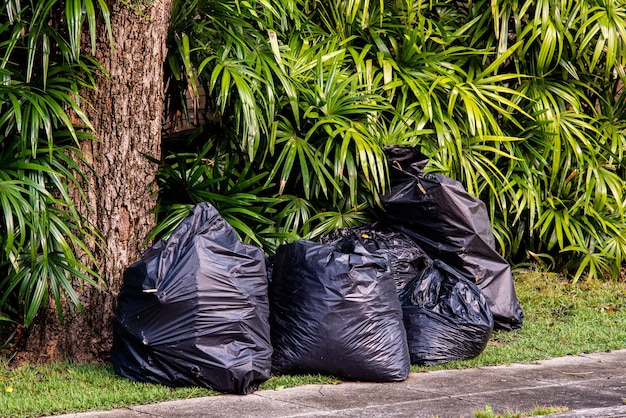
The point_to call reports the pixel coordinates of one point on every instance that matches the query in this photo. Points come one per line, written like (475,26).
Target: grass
(537,411)
(561,318)
(51,389)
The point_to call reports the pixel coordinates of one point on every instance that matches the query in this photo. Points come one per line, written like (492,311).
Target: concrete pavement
(589,385)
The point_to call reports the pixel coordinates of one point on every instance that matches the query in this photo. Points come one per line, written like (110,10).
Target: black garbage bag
(404,257)
(445,315)
(451,225)
(194,311)
(335,311)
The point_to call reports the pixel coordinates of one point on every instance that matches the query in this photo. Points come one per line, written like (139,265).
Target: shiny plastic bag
(334,310)
(445,315)
(405,258)
(194,310)
(451,225)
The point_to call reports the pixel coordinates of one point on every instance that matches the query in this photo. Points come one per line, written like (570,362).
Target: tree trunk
(126,113)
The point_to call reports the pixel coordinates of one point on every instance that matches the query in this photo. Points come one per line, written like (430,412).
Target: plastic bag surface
(445,315)
(194,311)
(404,257)
(336,311)
(451,225)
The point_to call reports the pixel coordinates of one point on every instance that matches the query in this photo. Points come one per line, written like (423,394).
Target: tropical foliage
(293,101)
(519,100)
(42,235)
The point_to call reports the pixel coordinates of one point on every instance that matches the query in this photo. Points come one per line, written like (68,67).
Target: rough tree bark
(126,113)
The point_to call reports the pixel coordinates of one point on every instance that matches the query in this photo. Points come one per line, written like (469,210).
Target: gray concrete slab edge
(588,385)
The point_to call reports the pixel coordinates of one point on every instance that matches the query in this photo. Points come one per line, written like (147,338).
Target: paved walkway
(589,385)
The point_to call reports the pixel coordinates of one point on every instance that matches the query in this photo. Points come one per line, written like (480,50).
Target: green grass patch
(561,318)
(58,388)
(535,412)
(49,389)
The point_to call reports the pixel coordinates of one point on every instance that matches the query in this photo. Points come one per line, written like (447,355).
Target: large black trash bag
(194,311)
(335,311)
(445,315)
(405,258)
(450,225)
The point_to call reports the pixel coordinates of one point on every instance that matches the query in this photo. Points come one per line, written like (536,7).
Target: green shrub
(520,101)
(42,235)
